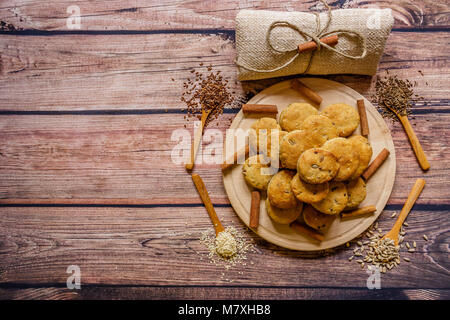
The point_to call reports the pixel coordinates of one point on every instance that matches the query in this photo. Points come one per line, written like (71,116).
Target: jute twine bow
(314,37)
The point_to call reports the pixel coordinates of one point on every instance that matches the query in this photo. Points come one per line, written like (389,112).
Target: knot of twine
(314,37)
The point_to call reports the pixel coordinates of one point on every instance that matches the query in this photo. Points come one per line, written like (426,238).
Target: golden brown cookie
(316,219)
(293,116)
(320,129)
(292,146)
(343,116)
(254,174)
(265,125)
(348,157)
(279,190)
(284,216)
(356,191)
(262,142)
(317,166)
(362,146)
(335,201)
(306,192)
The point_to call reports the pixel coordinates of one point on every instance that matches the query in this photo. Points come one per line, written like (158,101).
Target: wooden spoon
(201,188)
(420,155)
(413,195)
(197,137)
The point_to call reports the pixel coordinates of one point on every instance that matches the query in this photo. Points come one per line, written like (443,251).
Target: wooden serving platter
(379,186)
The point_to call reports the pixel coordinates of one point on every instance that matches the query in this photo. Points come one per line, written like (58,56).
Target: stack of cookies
(320,163)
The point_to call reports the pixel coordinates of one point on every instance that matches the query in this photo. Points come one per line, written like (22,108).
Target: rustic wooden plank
(219,293)
(151,15)
(88,72)
(159,246)
(129,157)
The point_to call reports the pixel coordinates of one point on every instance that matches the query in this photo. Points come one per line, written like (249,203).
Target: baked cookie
(348,157)
(279,190)
(343,116)
(320,129)
(362,146)
(262,142)
(317,166)
(292,117)
(294,143)
(253,173)
(356,192)
(335,201)
(317,220)
(284,216)
(308,193)
(266,125)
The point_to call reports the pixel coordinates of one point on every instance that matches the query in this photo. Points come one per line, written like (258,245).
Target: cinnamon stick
(359,212)
(307,92)
(226,165)
(254,209)
(363,118)
(307,231)
(312,45)
(373,167)
(260,110)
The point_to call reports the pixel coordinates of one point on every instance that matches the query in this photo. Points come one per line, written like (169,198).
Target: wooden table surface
(89,113)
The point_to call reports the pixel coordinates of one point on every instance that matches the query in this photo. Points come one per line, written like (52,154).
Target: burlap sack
(256,58)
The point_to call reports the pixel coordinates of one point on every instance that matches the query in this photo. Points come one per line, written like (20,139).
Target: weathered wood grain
(65,146)
(157,15)
(222,293)
(87,72)
(129,156)
(160,246)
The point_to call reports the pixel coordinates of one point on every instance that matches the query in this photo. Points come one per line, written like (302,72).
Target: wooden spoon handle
(196,142)
(420,155)
(201,188)
(413,195)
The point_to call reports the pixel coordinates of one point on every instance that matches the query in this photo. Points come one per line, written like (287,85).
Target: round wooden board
(379,186)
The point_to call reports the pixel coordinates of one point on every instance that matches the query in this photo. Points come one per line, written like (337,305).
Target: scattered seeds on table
(412,250)
(414,244)
(425,237)
(394,214)
(407,259)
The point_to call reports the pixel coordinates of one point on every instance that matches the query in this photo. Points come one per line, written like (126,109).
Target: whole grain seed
(224,252)
(208,92)
(395,92)
(412,250)
(425,237)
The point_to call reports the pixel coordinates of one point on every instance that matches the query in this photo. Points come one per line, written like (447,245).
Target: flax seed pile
(208,91)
